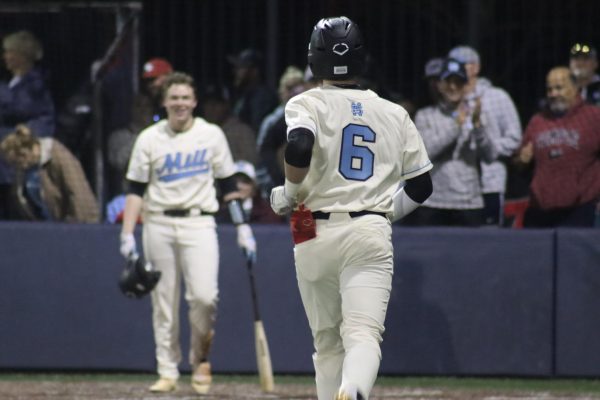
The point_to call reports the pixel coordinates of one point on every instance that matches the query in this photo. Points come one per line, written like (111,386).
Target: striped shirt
(504,129)
(455,152)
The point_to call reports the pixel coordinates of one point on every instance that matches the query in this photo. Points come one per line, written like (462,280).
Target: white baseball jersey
(364,146)
(180,168)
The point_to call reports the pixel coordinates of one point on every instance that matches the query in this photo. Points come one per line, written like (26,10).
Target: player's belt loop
(353,214)
(185,212)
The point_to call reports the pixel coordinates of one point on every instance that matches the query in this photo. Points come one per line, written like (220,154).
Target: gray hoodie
(504,126)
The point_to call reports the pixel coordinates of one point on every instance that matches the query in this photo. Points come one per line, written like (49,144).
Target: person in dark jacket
(25,99)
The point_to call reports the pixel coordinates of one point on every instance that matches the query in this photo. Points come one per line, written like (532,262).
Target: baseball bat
(263,357)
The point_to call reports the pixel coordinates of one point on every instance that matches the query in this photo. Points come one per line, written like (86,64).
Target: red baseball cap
(156,67)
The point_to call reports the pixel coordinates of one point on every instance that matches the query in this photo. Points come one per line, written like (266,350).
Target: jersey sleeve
(140,159)
(298,114)
(223,165)
(415,160)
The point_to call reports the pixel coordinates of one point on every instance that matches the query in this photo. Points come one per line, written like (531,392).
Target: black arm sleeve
(419,188)
(227,185)
(298,151)
(135,187)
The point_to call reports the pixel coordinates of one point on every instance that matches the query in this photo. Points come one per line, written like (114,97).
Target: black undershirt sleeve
(298,151)
(135,187)
(419,188)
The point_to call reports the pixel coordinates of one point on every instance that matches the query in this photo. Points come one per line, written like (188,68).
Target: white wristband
(291,189)
(403,205)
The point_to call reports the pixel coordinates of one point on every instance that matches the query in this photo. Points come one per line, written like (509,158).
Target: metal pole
(97,128)
(475,13)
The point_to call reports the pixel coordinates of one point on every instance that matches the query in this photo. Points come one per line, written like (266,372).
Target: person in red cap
(154,72)
(146,110)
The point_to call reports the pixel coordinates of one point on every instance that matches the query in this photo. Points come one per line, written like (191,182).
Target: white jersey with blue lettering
(180,167)
(364,146)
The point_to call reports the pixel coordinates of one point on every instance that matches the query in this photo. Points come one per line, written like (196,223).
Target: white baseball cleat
(349,392)
(164,385)
(202,378)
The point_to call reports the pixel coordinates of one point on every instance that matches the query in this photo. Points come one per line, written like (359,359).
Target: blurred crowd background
(98,61)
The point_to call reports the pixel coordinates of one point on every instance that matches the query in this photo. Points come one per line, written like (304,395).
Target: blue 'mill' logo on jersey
(357,109)
(175,167)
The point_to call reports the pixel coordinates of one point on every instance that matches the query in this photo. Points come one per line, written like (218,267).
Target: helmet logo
(340,49)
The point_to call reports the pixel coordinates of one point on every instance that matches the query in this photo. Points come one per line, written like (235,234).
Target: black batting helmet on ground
(337,50)
(138,278)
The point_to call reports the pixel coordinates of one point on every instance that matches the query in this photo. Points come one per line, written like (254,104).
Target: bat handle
(253,291)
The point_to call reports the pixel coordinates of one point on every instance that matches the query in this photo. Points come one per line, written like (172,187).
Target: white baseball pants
(182,247)
(345,279)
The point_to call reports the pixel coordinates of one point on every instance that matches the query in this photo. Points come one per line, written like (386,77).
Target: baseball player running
(171,175)
(347,151)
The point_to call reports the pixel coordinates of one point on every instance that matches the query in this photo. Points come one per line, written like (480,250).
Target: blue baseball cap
(453,67)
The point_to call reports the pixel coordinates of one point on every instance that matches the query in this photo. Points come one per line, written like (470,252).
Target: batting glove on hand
(127,245)
(280,202)
(246,241)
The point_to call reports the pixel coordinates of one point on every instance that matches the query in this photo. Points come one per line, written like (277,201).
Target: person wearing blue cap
(456,138)
(502,123)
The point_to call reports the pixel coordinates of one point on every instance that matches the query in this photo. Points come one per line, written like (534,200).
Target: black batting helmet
(138,278)
(336,50)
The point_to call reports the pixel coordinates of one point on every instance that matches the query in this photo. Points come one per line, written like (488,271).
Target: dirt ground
(45,390)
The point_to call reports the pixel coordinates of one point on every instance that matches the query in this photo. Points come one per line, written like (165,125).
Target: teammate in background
(456,139)
(171,178)
(502,124)
(562,144)
(347,151)
(583,63)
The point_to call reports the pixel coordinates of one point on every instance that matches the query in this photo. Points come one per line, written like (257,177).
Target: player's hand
(127,245)
(246,241)
(280,202)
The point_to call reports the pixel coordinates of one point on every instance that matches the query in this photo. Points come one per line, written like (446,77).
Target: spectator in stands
(216,109)
(501,115)
(154,74)
(146,109)
(272,135)
(583,62)
(433,67)
(255,206)
(253,99)
(24,99)
(50,183)
(456,138)
(562,145)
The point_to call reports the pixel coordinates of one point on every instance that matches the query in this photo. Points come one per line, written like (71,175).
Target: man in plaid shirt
(456,138)
(504,119)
